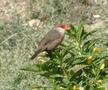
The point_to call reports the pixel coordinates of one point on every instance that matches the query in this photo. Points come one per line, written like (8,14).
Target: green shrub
(77,63)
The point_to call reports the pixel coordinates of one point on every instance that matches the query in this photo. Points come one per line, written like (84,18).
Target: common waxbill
(52,39)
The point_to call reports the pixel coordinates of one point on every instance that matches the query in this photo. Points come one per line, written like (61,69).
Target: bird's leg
(49,54)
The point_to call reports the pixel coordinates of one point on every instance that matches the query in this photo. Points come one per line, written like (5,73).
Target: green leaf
(57,76)
(88,34)
(77,68)
(80,33)
(31,68)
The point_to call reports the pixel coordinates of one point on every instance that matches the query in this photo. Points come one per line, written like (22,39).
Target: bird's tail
(37,51)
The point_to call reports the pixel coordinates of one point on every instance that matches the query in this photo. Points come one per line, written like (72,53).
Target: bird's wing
(49,37)
(53,44)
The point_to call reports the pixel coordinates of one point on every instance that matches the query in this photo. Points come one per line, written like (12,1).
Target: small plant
(78,63)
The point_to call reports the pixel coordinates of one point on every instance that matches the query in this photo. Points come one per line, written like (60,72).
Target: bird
(51,40)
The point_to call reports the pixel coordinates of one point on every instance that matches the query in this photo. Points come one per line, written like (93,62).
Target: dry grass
(18,39)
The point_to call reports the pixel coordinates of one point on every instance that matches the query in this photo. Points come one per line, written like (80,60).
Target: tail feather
(38,50)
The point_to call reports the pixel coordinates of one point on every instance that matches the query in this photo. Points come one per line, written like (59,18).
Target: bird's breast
(60,31)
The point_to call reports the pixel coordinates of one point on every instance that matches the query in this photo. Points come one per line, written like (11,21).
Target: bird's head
(65,27)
